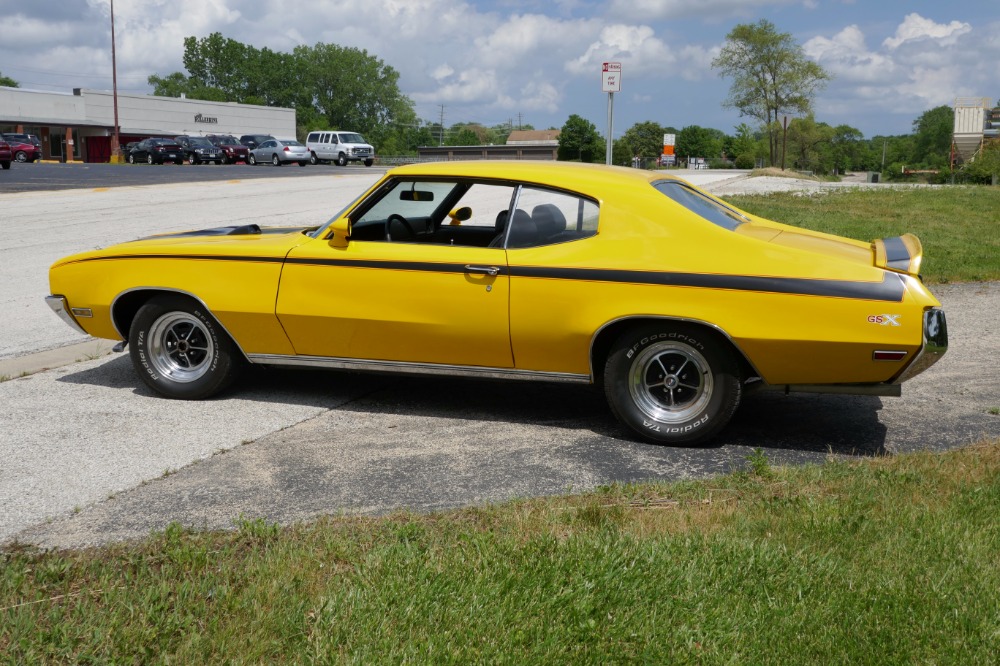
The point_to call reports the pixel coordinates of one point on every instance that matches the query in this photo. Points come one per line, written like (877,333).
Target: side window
(334,138)
(311,138)
(546,217)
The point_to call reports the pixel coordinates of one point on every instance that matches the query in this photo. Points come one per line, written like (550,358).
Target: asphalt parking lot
(91,456)
(45,177)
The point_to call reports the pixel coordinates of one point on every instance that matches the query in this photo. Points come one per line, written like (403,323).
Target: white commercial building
(79,126)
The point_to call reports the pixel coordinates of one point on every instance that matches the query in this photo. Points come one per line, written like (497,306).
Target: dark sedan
(156,151)
(5,154)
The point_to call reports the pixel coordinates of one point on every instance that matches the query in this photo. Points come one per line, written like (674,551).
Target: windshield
(709,209)
(351,137)
(201,143)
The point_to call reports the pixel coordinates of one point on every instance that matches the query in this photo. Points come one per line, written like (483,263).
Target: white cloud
(915,27)
(715,10)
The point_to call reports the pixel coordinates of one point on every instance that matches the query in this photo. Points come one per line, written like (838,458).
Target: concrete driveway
(88,455)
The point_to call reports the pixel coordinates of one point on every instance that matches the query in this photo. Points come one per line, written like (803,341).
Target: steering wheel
(396,217)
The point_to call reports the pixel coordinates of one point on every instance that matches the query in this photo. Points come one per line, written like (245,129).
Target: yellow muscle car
(673,301)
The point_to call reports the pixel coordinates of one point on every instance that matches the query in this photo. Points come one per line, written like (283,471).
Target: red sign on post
(611,77)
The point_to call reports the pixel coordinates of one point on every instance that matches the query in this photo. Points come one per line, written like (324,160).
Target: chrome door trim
(402,367)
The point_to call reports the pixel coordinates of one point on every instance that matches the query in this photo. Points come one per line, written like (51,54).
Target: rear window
(700,205)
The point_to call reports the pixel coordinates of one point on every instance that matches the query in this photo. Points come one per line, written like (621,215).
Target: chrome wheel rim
(670,382)
(180,347)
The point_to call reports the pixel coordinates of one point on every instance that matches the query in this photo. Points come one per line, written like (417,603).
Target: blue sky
(529,61)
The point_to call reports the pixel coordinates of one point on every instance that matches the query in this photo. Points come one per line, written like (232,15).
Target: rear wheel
(672,384)
(303,163)
(5,164)
(180,351)
(275,161)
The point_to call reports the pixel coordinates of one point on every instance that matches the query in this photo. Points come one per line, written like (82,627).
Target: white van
(339,147)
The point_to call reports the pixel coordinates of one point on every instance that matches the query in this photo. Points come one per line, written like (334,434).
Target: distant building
(975,123)
(78,126)
(521,145)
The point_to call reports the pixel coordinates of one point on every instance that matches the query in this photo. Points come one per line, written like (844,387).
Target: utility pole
(115,138)
(441,125)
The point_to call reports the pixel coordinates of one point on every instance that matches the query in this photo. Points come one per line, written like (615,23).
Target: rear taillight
(285,149)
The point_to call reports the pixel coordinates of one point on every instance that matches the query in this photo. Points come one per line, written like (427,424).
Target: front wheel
(149,159)
(672,384)
(313,159)
(342,160)
(275,161)
(368,163)
(180,351)
(21,156)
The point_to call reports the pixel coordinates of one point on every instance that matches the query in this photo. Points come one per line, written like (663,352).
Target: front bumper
(61,308)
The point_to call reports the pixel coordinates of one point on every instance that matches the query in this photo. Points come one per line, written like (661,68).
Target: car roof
(592,178)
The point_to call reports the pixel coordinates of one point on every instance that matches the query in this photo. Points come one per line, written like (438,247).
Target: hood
(241,230)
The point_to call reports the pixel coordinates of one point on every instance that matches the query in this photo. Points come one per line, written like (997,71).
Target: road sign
(611,77)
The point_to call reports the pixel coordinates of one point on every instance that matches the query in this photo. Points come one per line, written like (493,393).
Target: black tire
(313,159)
(275,161)
(194,159)
(131,159)
(672,383)
(5,165)
(180,351)
(252,160)
(368,163)
(149,159)
(342,160)
(21,156)
(303,162)
(224,160)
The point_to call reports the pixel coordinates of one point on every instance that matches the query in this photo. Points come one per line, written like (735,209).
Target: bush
(745,161)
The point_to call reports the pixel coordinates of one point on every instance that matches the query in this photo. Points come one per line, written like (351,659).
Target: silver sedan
(279,151)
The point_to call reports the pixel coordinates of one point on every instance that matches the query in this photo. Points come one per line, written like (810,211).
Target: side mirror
(460,215)
(341,232)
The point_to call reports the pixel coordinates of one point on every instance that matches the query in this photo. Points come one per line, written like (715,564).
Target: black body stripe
(891,288)
(896,254)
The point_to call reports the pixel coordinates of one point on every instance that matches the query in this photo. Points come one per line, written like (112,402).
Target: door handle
(492,271)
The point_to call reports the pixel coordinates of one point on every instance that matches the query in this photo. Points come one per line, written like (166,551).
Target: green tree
(771,76)
(179,85)
(9,82)
(932,132)
(580,140)
(646,139)
(696,141)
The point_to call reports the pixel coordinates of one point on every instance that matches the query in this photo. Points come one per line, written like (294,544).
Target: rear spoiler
(902,254)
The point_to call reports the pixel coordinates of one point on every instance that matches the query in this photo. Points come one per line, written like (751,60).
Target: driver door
(418,299)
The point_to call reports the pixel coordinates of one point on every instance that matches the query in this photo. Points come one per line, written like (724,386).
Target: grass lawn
(959,226)
(886,560)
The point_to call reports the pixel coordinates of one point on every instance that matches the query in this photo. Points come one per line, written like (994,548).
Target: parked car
(198,149)
(673,301)
(156,151)
(251,141)
(279,151)
(24,138)
(339,147)
(5,155)
(23,151)
(232,150)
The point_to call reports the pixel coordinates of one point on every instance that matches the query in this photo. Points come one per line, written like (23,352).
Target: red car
(5,154)
(232,150)
(22,151)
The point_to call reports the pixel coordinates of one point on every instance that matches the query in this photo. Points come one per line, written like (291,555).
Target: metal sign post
(611,82)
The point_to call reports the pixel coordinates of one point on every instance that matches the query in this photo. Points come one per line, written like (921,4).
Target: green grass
(958,226)
(887,560)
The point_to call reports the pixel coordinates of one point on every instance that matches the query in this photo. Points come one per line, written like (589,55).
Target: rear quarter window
(696,202)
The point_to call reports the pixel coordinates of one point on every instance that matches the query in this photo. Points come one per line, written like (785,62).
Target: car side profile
(156,151)
(339,148)
(6,156)
(670,301)
(279,152)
